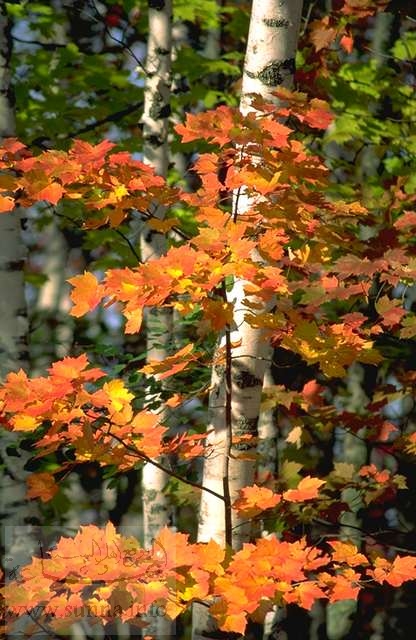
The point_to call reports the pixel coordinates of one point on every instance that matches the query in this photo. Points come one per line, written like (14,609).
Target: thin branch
(130,244)
(110,35)
(48,632)
(169,472)
(307,18)
(47,46)
(112,117)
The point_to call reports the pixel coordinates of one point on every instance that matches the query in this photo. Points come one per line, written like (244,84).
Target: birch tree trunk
(236,387)
(156,507)
(19,541)
(153,245)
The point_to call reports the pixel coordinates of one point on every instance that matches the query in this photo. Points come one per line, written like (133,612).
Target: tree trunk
(236,387)
(153,245)
(19,536)
(156,506)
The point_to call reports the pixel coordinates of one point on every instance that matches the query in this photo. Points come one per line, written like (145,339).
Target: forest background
(293,226)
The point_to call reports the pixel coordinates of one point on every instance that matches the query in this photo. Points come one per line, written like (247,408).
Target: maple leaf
(319,116)
(75,368)
(295,436)
(41,485)
(372,472)
(401,570)
(362,8)
(347,552)
(342,586)
(210,556)
(172,549)
(51,193)
(307,489)
(304,594)
(86,294)
(172,364)
(347,42)
(24,422)
(6,204)
(90,156)
(406,220)
(253,500)
(391,311)
(322,34)
(145,425)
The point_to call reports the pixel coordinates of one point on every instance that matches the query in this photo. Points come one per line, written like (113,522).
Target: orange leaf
(86,294)
(347,552)
(347,43)
(171,365)
(253,500)
(400,570)
(41,485)
(52,193)
(304,594)
(6,204)
(307,490)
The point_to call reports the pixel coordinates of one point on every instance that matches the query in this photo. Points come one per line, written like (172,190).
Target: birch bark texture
(236,387)
(269,63)
(13,315)
(19,535)
(153,245)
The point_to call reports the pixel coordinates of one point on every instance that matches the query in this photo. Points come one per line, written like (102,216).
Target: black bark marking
(245,427)
(274,73)
(154,141)
(244,379)
(14,265)
(159,108)
(157,5)
(276,22)
(162,52)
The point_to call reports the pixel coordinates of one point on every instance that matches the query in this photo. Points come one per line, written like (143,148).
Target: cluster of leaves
(108,576)
(333,264)
(85,424)
(300,236)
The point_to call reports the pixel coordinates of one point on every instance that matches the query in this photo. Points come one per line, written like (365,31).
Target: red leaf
(347,43)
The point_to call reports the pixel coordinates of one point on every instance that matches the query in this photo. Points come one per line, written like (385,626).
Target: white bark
(19,537)
(13,318)
(269,63)
(156,506)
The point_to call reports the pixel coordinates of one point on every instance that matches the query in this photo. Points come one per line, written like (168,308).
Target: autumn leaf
(170,365)
(401,570)
(90,155)
(347,552)
(307,489)
(41,485)
(304,594)
(86,294)
(295,436)
(52,193)
(6,204)
(253,500)
(77,368)
(322,34)
(347,43)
